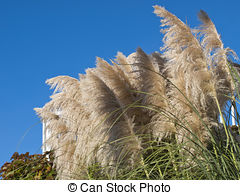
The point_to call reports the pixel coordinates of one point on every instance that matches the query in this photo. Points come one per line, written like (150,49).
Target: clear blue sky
(40,39)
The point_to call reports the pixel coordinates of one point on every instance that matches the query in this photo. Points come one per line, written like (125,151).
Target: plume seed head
(203,17)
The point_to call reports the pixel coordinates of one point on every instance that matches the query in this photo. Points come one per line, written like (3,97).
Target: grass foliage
(171,161)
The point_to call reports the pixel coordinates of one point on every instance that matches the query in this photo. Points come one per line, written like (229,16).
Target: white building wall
(45,136)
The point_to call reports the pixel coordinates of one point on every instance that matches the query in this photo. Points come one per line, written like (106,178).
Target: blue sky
(41,39)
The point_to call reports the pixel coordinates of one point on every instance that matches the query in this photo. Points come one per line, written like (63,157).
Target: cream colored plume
(187,70)
(217,56)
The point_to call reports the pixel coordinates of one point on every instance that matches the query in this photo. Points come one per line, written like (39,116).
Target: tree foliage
(29,167)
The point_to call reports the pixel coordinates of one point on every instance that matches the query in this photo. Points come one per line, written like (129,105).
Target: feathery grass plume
(187,70)
(216,56)
(66,108)
(150,87)
(152,91)
(124,64)
(108,125)
(152,84)
(128,65)
(117,81)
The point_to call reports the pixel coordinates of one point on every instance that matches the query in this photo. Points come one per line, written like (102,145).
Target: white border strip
(120,187)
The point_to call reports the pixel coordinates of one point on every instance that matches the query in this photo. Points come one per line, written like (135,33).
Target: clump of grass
(149,116)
